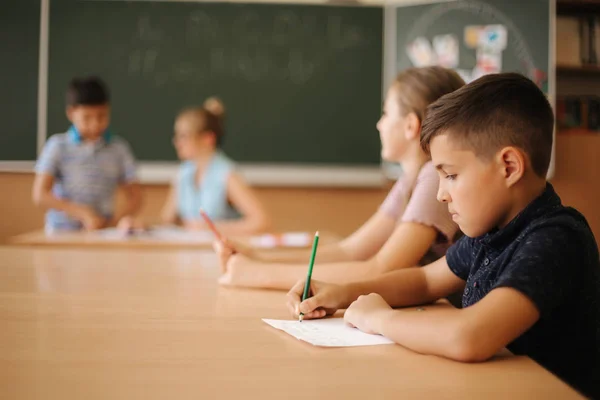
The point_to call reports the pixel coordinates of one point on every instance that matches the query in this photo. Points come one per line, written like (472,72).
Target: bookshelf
(577,7)
(582,132)
(578,70)
(577,148)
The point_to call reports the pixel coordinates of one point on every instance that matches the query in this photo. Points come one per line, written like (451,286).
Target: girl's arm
(407,245)
(243,198)
(359,246)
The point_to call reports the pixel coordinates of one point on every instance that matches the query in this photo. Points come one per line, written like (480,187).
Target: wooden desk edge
(39,238)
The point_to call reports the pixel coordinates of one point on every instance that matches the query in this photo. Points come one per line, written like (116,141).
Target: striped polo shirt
(85,173)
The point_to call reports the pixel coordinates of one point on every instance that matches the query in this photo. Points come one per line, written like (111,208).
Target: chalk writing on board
(142,62)
(286,47)
(200,27)
(145,31)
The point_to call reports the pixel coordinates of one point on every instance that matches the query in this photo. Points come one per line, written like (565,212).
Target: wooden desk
(131,324)
(93,239)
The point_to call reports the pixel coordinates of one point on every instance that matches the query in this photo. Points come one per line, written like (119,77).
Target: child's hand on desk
(233,272)
(326,299)
(234,247)
(233,265)
(367,312)
(90,220)
(224,251)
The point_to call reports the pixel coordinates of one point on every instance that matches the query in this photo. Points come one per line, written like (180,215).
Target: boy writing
(78,171)
(529,266)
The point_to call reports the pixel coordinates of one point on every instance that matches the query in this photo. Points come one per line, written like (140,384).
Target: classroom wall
(337,210)
(17,212)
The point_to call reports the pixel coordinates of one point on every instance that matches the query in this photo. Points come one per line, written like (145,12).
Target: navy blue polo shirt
(549,254)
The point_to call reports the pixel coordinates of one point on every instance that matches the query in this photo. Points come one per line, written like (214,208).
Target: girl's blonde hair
(416,88)
(208,118)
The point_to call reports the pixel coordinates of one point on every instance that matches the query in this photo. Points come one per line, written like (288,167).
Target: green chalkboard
(523,26)
(19,46)
(301,84)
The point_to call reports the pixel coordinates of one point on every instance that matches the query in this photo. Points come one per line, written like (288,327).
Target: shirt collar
(544,203)
(75,136)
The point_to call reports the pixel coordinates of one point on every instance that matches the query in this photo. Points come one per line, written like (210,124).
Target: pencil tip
(317,234)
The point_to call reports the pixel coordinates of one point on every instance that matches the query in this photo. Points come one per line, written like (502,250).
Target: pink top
(418,203)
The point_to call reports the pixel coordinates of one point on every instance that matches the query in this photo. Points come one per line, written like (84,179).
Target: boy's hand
(326,299)
(90,220)
(367,312)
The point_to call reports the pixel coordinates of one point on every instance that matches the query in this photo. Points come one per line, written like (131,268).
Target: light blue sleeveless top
(211,195)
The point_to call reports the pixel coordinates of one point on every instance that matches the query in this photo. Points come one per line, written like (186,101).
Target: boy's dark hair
(89,91)
(492,112)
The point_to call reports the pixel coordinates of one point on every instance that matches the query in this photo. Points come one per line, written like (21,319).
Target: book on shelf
(578,40)
(578,113)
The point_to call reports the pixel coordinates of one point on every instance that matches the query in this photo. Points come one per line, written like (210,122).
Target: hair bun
(215,106)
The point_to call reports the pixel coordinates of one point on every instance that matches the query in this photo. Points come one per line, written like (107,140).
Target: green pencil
(310,269)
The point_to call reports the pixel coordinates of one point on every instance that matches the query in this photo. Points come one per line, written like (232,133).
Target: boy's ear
(512,163)
(413,126)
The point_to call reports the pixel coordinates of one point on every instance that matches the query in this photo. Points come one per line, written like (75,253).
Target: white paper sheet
(330,332)
(165,234)
(112,234)
(288,239)
(180,235)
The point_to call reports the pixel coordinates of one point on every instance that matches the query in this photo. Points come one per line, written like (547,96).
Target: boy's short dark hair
(89,91)
(494,111)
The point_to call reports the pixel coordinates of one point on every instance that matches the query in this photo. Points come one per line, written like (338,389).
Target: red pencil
(214,230)
(211,226)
